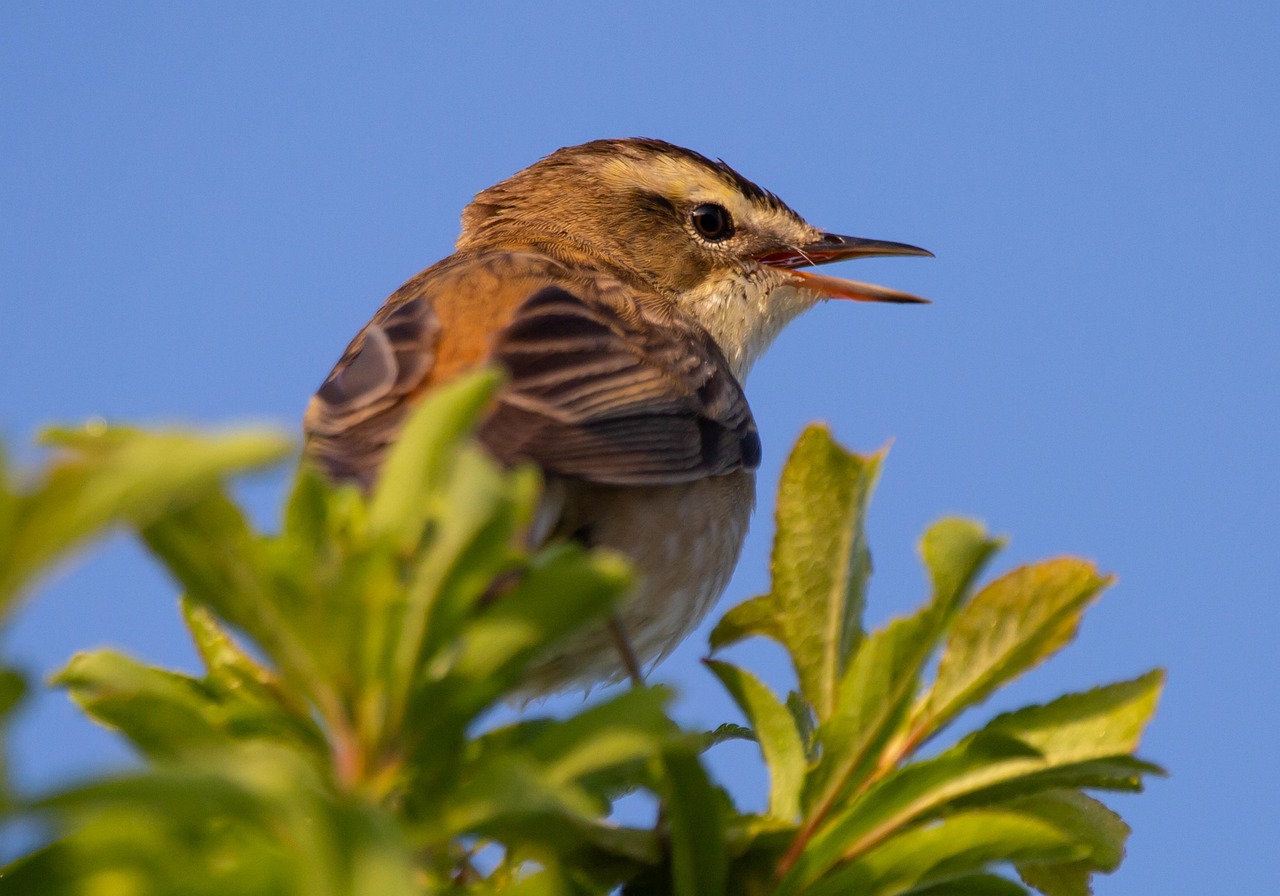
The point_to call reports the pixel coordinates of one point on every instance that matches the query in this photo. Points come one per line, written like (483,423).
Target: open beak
(833,247)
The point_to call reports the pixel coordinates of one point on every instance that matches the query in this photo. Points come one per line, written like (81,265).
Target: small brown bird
(627,286)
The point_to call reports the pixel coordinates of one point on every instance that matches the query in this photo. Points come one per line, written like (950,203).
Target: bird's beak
(833,247)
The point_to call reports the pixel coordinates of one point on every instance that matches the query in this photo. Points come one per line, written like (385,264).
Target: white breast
(744,313)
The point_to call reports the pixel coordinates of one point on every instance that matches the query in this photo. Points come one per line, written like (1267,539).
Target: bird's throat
(745,312)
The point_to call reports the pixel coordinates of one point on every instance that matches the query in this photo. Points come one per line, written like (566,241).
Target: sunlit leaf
(230,668)
(883,678)
(820,566)
(1071,731)
(1011,625)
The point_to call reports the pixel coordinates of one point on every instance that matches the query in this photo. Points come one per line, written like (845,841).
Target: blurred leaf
(598,749)
(629,728)
(564,589)
(210,548)
(695,814)
(820,566)
(230,669)
(164,714)
(960,845)
(314,514)
(169,716)
(727,731)
(244,821)
(1070,732)
(470,547)
(12,688)
(421,458)
(1011,625)
(776,732)
(107,475)
(516,800)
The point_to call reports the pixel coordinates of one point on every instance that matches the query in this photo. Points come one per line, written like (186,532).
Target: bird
(626,287)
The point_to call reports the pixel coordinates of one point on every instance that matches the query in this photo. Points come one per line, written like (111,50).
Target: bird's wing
(598,389)
(362,404)
(605,394)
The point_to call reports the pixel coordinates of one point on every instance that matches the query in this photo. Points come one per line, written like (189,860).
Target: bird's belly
(683,542)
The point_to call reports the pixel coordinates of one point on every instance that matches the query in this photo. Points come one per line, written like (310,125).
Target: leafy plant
(340,739)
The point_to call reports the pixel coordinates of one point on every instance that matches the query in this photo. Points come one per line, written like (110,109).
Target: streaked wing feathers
(598,389)
(614,398)
(359,408)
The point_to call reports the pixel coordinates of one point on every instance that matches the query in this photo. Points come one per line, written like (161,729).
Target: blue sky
(201,204)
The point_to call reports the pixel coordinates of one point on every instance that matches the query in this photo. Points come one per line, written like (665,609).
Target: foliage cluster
(339,739)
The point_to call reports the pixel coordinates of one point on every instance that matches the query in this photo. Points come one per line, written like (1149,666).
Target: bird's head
(692,229)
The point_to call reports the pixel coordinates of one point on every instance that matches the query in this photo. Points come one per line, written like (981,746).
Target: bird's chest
(683,542)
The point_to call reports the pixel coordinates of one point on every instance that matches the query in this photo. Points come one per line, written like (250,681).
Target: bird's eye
(712,222)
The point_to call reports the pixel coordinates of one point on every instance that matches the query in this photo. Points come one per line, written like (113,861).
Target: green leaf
(955,551)
(512,798)
(168,716)
(756,616)
(973,885)
(593,748)
(629,728)
(820,566)
(108,475)
(469,548)
(874,697)
(12,689)
(164,714)
(696,814)
(1013,624)
(230,669)
(422,456)
(1099,829)
(784,753)
(884,676)
(248,820)
(806,724)
(727,731)
(209,547)
(960,845)
(564,589)
(1069,733)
